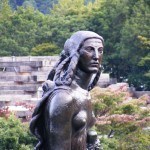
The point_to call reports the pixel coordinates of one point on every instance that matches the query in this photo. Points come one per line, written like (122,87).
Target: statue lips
(94,64)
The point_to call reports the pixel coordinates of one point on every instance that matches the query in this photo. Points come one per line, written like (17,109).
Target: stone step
(41,78)
(33,100)
(29,58)
(4,98)
(3,73)
(18,78)
(18,99)
(12,92)
(10,83)
(36,73)
(19,111)
(27,69)
(45,69)
(19,69)
(28,88)
(21,63)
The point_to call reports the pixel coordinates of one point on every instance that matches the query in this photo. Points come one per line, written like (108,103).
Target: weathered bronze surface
(63,117)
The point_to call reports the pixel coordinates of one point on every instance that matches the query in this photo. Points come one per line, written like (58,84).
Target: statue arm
(61,112)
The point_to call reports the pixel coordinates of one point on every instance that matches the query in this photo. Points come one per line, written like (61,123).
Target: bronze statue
(63,117)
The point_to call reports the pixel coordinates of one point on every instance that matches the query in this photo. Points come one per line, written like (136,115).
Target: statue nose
(96,54)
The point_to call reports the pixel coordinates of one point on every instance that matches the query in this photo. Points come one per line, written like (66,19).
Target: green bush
(116,111)
(109,143)
(137,140)
(126,109)
(104,101)
(15,135)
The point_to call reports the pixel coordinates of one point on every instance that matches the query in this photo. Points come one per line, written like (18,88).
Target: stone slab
(29,58)
(6,83)
(141,93)
(7,73)
(19,111)
(14,97)
(19,78)
(33,100)
(21,63)
(19,69)
(30,88)
(10,69)
(45,69)
(40,73)
(12,92)
(27,69)
(104,77)
(41,78)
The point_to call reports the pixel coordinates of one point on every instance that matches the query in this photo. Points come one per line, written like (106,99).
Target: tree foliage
(15,135)
(43,6)
(123,119)
(134,46)
(21,32)
(123,24)
(45,49)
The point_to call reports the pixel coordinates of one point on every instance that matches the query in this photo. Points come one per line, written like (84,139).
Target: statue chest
(83,118)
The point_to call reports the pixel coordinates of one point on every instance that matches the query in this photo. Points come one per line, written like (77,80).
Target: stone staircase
(21,77)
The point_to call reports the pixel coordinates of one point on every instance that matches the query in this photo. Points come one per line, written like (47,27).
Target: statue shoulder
(62,96)
(61,103)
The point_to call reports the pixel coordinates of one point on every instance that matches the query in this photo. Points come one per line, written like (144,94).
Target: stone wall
(20,77)
(138,94)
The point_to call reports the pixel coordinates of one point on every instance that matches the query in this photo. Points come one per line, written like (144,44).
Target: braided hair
(64,71)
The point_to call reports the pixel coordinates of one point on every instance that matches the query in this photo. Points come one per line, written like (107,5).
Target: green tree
(67,17)
(135,44)
(30,3)
(108,20)
(21,32)
(121,23)
(5,10)
(45,49)
(43,6)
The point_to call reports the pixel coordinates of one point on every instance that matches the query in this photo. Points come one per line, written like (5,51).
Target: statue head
(76,41)
(90,56)
(63,73)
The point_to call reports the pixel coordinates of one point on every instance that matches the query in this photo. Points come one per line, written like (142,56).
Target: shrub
(137,140)
(116,111)
(126,109)
(109,143)
(15,135)
(104,100)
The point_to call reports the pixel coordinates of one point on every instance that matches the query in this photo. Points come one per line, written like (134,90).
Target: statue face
(91,55)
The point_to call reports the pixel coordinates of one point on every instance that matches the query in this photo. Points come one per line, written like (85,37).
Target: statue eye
(89,49)
(100,50)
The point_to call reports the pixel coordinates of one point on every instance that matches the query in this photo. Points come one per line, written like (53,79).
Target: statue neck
(83,79)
